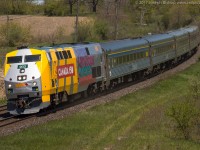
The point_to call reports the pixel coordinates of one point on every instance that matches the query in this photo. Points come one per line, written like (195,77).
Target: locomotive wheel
(64,97)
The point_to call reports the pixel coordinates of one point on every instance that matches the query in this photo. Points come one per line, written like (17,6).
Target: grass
(135,121)
(43,25)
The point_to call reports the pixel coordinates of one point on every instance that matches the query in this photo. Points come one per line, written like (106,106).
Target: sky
(39,1)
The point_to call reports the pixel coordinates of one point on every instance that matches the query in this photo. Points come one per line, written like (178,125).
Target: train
(37,78)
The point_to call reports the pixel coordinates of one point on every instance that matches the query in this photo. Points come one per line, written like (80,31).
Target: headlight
(34,83)
(9,86)
(24,77)
(19,78)
(22,70)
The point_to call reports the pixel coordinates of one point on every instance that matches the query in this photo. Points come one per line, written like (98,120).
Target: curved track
(15,124)
(3,108)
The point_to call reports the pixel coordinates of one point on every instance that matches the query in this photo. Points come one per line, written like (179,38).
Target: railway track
(4,115)
(9,123)
(10,119)
(7,119)
(3,108)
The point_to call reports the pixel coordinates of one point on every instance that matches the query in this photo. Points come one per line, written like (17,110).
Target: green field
(135,121)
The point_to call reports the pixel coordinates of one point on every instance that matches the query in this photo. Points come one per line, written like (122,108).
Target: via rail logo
(65,71)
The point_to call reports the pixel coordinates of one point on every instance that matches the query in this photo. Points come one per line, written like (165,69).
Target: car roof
(179,32)
(123,44)
(158,37)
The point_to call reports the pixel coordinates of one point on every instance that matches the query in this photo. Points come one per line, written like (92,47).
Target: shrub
(13,34)
(57,36)
(183,115)
(101,29)
(84,31)
(194,88)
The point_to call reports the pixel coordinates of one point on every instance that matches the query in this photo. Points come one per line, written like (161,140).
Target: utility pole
(116,17)
(76,23)
(7,29)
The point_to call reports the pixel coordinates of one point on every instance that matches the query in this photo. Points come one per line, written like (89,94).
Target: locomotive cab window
(87,51)
(15,59)
(32,58)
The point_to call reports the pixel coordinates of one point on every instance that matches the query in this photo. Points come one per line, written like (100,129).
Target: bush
(183,115)
(101,29)
(57,36)
(13,34)
(194,88)
(84,31)
(56,8)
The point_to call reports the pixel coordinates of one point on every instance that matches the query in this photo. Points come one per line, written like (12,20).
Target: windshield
(15,59)
(32,58)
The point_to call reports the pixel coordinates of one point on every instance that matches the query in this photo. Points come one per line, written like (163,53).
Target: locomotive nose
(23,81)
(23,76)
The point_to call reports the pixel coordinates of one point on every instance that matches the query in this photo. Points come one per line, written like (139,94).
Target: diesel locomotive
(36,78)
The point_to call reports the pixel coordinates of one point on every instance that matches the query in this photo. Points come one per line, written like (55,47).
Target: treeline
(19,7)
(49,8)
(112,19)
(166,16)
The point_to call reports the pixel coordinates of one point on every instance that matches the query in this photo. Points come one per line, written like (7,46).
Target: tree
(94,4)
(71,4)
(16,7)
(179,16)
(56,8)
(117,4)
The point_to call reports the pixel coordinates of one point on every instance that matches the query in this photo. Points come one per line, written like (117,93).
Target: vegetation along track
(62,111)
